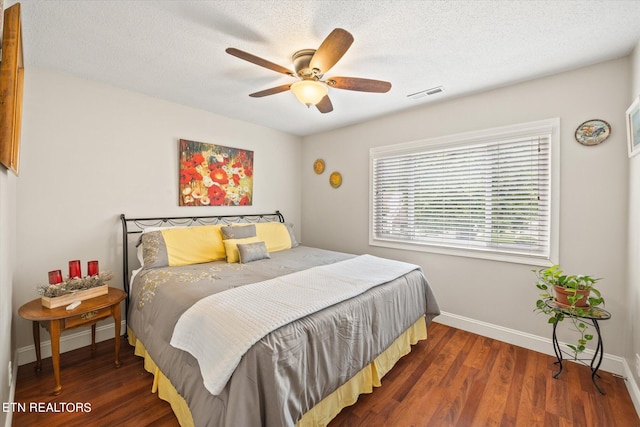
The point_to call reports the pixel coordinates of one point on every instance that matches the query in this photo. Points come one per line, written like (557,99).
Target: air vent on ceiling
(426,92)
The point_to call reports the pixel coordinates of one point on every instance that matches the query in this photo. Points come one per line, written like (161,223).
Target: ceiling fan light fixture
(309,92)
(310,66)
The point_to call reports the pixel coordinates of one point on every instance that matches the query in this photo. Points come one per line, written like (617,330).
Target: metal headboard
(135,226)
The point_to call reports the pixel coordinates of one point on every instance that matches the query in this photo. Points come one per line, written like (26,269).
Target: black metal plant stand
(591,317)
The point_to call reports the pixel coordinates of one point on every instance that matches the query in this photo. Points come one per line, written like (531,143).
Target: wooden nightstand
(56,320)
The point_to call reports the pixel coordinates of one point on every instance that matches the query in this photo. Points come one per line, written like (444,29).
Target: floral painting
(215,175)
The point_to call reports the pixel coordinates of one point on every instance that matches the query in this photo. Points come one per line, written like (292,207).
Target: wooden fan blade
(331,50)
(362,85)
(259,61)
(271,91)
(325,105)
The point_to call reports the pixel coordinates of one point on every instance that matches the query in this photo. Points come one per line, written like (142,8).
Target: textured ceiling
(175,50)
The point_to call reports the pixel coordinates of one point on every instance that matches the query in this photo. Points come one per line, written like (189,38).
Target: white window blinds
(490,194)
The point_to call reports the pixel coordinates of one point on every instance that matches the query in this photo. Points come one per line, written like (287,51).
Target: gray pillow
(252,252)
(238,232)
(154,250)
(294,242)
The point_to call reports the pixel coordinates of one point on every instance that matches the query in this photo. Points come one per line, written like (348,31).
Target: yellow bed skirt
(323,412)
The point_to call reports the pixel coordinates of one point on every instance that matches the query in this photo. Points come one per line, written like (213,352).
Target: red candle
(74,269)
(92,268)
(55,277)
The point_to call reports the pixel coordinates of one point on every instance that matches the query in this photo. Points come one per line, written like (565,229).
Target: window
(488,194)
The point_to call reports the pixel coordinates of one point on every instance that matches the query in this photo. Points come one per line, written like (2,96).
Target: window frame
(504,133)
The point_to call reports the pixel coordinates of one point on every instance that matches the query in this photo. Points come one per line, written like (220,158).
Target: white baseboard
(632,387)
(68,342)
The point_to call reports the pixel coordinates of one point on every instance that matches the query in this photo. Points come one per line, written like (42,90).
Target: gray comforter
(290,370)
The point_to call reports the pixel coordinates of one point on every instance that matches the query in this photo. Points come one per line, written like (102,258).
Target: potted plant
(574,296)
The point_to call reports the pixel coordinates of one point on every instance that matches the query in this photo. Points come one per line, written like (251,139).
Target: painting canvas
(633,127)
(215,175)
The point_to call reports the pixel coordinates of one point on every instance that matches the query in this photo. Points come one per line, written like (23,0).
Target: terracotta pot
(562,293)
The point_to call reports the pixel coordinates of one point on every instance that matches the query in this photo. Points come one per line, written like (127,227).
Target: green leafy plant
(547,279)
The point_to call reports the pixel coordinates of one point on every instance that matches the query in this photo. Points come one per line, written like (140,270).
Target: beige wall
(593,182)
(633,300)
(91,152)
(7,263)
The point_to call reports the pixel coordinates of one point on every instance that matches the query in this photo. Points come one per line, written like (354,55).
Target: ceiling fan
(310,66)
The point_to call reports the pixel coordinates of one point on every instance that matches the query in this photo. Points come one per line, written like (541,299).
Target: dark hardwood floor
(117,396)
(455,378)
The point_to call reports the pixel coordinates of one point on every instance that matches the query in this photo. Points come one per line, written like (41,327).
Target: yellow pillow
(275,235)
(193,245)
(231,247)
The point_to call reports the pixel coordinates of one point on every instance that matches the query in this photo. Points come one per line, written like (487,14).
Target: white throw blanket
(219,329)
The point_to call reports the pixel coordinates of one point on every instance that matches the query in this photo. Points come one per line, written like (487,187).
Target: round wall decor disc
(593,132)
(335,179)
(318,166)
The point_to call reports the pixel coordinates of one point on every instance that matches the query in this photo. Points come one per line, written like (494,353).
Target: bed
(243,326)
